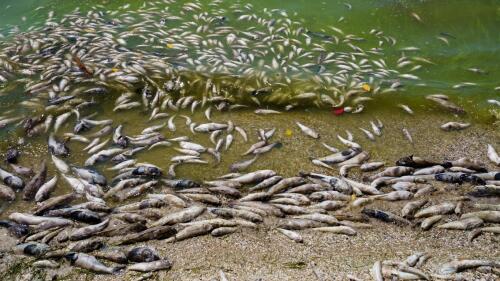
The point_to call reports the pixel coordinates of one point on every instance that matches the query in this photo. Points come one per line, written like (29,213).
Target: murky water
(470,29)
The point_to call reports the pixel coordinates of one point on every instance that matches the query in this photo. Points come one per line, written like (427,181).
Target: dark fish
(158,232)
(12,180)
(385,216)
(34,184)
(60,100)
(485,191)
(57,148)
(449,177)
(81,215)
(91,176)
(81,126)
(32,249)
(417,162)
(16,229)
(180,183)
(320,35)
(147,171)
(142,254)
(447,34)
(11,155)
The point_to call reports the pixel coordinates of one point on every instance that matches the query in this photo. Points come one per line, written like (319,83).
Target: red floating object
(338,111)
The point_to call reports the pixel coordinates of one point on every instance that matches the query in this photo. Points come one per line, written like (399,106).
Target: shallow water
(471,27)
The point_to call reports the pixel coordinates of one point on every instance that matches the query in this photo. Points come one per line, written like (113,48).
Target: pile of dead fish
(70,66)
(99,215)
(411,269)
(141,203)
(235,55)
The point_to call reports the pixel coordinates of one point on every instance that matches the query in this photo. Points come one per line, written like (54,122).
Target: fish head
(71,257)
(405,161)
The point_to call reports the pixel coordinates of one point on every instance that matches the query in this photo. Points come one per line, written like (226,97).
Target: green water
(471,28)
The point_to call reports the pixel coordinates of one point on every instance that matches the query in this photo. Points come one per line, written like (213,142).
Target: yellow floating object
(170,46)
(288,132)
(353,197)
(366,87)
(114,69)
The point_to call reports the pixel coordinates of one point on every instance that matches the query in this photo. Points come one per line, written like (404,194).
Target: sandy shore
(264,254)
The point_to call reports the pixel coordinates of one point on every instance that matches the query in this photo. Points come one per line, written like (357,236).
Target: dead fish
(368,134)
(430,221)
(376,271)
(486,216)
(116,256)
(308,131)
(157,232)
(376,128)
(395,195)
(45,264)
(32,249)
(253,177)
(221,231)
(54,202)
(343,171)
(385,216)
(346,230)
(440,209)
(266,111)
(430,170)
(46,189)
(412,207)
(340,157)
(368,167)
(299,224)
(57,148)
(12,155)
(356,160)
(417,162)
(142,254)
(459,265)
(493,155)
(413,259)
(285,184)
(192,231)
(444,102)
(184,215)
(406,108)
(454,126)
(90,263)
(242,165)
(266,183)
(463,224)
(330,148)
(150,266)
(60,165)
(87,231)
(407,135)
(7,193)
(231,213)
(36,182)
(465,162)
(20,170)
(396,171)
(266,148)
